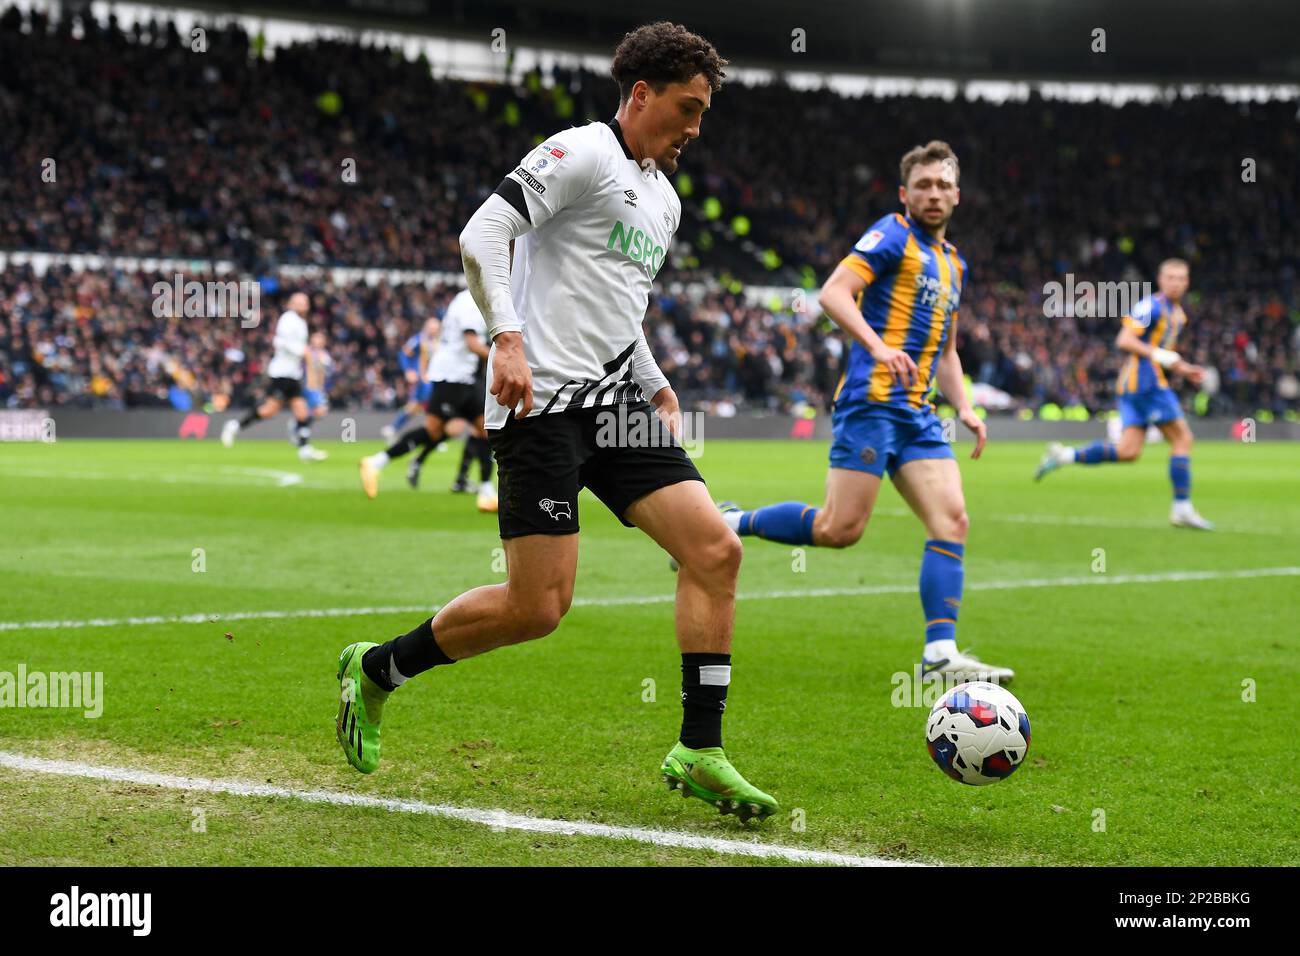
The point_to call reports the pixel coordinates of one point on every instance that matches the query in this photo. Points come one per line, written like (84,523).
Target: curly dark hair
(662,53)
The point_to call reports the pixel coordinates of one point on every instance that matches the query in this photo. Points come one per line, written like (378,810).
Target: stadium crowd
(239,157)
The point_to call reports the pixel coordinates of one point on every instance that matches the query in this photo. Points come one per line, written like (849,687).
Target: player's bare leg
(536,595)
(1182,514)
(850,499)
(683,520)
(932,489)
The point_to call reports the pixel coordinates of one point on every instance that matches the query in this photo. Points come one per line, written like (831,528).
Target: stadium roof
(1241,40)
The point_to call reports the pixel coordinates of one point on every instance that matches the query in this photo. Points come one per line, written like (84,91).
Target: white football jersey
(453,362)
(290,346)
(580,280)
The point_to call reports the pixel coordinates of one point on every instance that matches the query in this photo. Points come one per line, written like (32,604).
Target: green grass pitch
(1160,707)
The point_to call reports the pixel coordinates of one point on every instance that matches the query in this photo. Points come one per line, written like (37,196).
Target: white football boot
(1183,515)
(1055,456)
(311,453)
(967,667)
(228,432)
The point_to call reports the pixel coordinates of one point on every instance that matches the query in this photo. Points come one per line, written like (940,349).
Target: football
(978,733)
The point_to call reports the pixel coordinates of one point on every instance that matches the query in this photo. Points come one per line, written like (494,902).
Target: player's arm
(527,198)
(839,299)
(1130,340)
(952,384)
(474,342)
(422,364)
(654,385)
(410,362)
(485,252)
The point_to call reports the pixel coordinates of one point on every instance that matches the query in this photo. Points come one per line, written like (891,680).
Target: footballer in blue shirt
(896,296)
(1148,335)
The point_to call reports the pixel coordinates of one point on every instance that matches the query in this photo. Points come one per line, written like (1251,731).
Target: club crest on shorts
(868,456)
(556,509)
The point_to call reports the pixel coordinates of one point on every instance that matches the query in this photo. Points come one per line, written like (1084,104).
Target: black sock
(410,654)
(467,454)
(705,678)
(484,459)
(250,416)
(411,440)
(429,446)
(302,432)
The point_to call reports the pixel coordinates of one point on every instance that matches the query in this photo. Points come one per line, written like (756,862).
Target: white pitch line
(1095,580)
(496,819)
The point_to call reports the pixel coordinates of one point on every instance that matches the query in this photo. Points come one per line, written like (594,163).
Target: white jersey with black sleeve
(290,346)
(581,278)
(454,362)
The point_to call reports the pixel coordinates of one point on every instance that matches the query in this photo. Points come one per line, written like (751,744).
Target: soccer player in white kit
(453,399)
(591,213)
(285,372)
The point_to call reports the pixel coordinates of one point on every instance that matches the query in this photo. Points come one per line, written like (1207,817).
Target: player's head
(666,78)
(1173,278)
(298,302)
(928,178)
(317,340)
(432,326)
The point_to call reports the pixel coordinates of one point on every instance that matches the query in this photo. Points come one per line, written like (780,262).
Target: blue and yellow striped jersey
(317,366)
(415,354)
(1156,321)
(914,285)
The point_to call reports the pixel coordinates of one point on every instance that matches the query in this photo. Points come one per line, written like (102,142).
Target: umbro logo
(631,197)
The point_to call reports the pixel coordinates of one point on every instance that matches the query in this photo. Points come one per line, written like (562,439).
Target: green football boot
(708,774)
(357,725)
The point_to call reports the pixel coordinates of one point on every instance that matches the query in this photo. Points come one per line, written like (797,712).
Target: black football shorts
(545,460)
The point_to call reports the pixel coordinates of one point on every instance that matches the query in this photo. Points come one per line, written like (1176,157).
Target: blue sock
(1095,454)
(1180,474)
(790,522)
(941,580)
(403,417)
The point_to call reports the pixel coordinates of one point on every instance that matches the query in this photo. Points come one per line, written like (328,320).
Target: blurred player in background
(413,358)
(474,449)
(318,365)
(285,372)
(896,295)
(1149,335)
(453,399)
